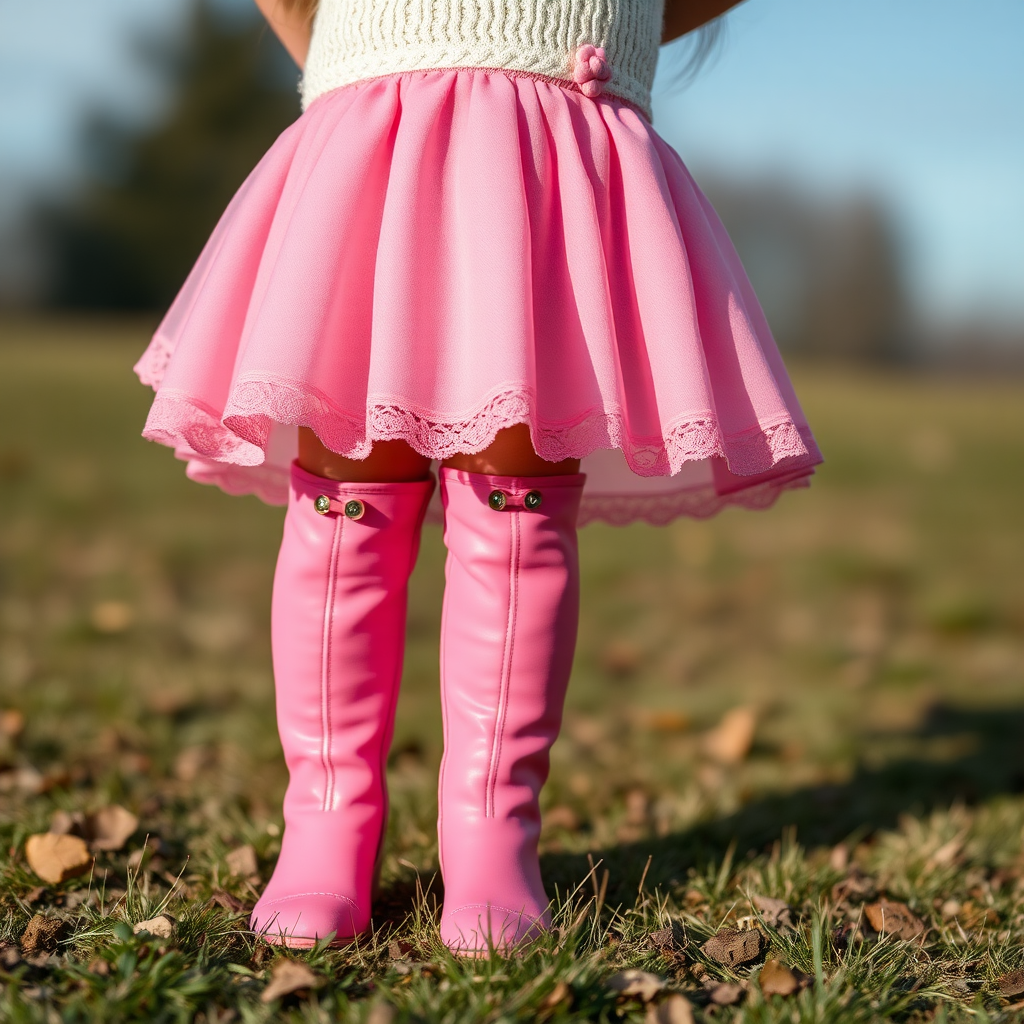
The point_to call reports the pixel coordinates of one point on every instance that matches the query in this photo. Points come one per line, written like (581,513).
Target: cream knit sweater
(356,39)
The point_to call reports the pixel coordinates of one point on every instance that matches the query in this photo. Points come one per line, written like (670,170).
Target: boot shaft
(338,631)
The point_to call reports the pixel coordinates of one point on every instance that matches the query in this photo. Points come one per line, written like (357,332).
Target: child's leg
(508,636)
(338,631)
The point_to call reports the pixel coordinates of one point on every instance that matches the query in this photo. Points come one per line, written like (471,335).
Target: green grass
(874,625)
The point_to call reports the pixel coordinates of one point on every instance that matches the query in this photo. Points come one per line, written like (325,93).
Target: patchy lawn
(798,734)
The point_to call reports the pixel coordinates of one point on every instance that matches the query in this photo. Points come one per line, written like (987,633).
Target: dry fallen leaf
(12,722)
(854,884)
(288,976)
(731,947)
(242,861)
(724,993)
(41,935)
(111,616)
(839,858)
(160,927)
(56,858)
(561,993)
(191,761)
(10,956)
(777,913)
(561,817)
(110,827)
(220,898)
(67,823)
(637,984)
(730,741)
(947,853)
(1011,984)
(621,658)
(661,720)
(776,979)
(674,1010)
(891,918)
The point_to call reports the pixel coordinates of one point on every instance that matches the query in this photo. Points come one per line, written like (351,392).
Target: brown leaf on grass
(220,898)
(1011,984)
(636,807)
(67,823)
(399,949)
(891,918)
(563,817)
(839,858)
(661,720)
(10,956)
(191,761)
(777,913)
(730,741)
(42,934)
(621,658)
(730,947)
(674,1010)
(561,993)
(854,885)
(111,616)
(381,1013)
(947,854)
(288,977)
(56,858)
(776,979)
(724,993)
(160,927)
(12,722)
(636,984)
(110,827)
(242,861)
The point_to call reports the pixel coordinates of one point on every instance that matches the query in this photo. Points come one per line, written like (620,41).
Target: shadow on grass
(988,761)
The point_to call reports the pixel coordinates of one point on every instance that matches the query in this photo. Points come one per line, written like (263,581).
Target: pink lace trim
(241,435)
(229,450)
(659,509)
(152,364)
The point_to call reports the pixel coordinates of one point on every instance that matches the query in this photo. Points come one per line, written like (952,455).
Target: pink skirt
(437,255)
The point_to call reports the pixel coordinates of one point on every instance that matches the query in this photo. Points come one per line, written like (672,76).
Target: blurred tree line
(150,197)
(829,276)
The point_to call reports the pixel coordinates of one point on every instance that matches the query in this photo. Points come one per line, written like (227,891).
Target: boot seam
(507,653)
(442,664)
(302,895)
(325,668)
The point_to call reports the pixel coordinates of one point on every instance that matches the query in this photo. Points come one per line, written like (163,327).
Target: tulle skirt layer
(436,255)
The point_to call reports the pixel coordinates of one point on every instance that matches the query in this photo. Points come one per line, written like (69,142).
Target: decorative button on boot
(338,634)
(508,634)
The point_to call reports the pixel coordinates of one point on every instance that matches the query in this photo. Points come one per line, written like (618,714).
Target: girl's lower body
(493,273)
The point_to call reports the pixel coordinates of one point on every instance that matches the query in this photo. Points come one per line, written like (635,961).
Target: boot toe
(479,929)
(302,920)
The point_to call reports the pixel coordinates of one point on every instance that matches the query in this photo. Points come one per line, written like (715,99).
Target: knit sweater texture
(357,39)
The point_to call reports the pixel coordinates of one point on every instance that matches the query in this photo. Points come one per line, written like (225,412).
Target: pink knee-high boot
(508,633)
(338,634)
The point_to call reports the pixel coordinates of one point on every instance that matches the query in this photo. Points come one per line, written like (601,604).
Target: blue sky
(921,101)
